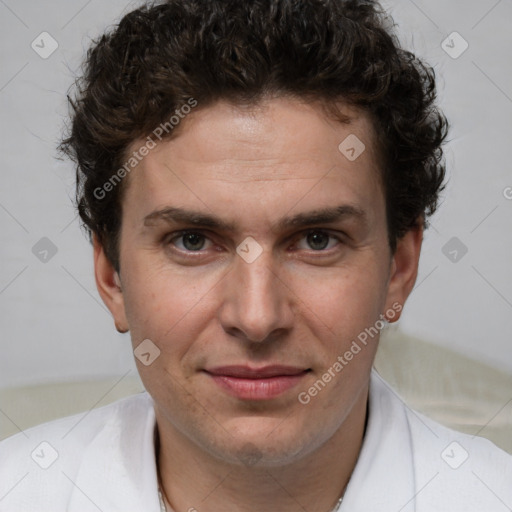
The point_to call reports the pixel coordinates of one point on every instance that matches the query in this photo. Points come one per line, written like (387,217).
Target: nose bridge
(255,303)
(259,280)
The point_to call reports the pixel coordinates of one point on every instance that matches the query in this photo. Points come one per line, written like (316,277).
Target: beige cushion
(24,407)
(454,390)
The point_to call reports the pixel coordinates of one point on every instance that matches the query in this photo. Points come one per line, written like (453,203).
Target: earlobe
(404,270)
(109,286)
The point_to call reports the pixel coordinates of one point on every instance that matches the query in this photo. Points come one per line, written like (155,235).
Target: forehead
(277,152)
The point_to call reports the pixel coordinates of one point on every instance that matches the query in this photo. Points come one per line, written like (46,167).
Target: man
(256,177)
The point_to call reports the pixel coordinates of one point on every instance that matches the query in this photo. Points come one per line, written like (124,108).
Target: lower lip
(257,389)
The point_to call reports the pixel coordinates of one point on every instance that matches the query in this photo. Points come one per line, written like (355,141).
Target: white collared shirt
(104,460)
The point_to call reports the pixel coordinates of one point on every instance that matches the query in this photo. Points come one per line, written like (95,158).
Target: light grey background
(53,324)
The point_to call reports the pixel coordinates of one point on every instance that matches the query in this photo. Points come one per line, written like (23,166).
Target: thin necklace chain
(163,506)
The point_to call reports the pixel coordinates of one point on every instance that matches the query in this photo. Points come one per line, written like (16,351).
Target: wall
(53,323)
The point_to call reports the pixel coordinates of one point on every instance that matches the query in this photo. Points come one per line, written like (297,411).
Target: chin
(261,443)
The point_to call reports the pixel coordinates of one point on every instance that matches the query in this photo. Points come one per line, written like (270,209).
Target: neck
(191,479)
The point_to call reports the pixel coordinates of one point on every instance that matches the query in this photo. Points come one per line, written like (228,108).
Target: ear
(109,286)
(404,270)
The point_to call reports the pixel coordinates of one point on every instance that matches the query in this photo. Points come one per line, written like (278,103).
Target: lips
(263,383)
(245,372)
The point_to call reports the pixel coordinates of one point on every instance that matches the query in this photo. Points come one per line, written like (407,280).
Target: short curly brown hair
(162,54)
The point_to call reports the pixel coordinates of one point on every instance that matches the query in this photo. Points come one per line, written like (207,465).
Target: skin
(296,304)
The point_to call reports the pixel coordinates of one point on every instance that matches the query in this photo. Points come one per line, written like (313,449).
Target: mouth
(264,383)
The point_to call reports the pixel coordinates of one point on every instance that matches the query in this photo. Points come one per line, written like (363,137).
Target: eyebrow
(170,215)
(320,216)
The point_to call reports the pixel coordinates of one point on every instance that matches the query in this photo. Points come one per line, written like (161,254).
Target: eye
(190,241)
(318,240)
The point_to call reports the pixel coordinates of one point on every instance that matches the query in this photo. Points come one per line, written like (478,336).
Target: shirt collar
(383,478)
(118,470)
(122,461)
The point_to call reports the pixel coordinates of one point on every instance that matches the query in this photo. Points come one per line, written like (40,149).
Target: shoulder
(38,461)
(455,469)
(78,429)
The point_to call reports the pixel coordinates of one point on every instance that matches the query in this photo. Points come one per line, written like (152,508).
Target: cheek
(165,305)
(342,302)
(343,312)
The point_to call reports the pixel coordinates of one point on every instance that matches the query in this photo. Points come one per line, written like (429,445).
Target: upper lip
(246,372)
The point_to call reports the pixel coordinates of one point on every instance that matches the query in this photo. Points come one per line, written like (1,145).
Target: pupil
(318,240)
(193,241)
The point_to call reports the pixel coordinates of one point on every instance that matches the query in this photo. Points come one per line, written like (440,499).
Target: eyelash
(180,234)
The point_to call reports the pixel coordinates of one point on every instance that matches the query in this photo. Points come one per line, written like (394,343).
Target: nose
(257,305)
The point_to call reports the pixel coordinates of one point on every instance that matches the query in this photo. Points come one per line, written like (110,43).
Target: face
(253,253)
